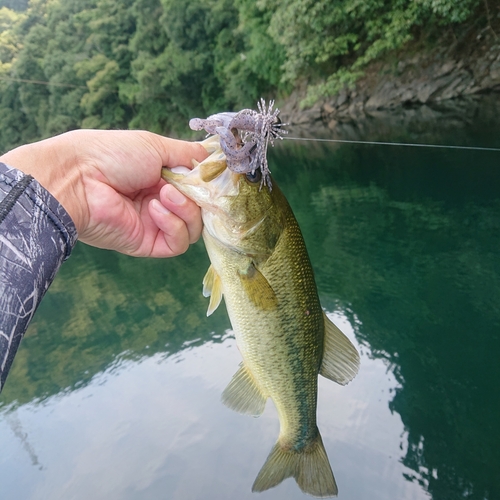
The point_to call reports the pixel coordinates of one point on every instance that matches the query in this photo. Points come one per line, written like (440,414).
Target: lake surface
(115,392)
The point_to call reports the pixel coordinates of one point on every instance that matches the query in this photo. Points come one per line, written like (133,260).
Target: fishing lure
(245,136)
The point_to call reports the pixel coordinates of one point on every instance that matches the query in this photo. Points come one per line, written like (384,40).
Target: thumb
(175,152)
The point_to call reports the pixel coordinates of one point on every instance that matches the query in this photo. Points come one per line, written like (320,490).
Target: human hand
(110,183)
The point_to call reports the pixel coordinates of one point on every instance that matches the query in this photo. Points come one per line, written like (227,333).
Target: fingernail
(176,197)
(159,207)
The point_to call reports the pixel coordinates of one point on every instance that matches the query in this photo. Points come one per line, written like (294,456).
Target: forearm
(36,236)
(54,163)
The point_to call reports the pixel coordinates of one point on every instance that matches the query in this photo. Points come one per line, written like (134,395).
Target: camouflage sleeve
(36,236)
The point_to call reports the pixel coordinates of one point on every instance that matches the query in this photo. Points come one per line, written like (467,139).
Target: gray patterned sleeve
(36,236)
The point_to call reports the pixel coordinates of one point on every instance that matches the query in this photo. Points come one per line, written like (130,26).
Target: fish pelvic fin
(243,395)
(212,287)
(340,358)
(310,468)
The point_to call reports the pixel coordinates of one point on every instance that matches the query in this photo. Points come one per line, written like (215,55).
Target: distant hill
(154,64)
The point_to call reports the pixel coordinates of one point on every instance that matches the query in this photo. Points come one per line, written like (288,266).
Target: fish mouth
(208,180)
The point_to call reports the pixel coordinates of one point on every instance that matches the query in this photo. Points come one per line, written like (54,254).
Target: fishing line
(405,144)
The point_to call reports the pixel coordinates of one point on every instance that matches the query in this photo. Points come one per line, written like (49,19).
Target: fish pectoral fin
(258,288)
(340,358)
(310,468)
(243,395)
(212,287)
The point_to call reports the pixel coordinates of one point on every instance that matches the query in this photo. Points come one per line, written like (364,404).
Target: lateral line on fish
(378,143)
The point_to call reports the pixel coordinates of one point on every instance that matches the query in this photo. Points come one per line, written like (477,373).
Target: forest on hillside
(153,64)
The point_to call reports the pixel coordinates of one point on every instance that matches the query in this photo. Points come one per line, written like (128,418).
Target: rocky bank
(413,84)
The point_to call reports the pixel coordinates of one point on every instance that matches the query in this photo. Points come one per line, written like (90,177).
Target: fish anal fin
(257,288)
(340,358)
(310,468)
(243,395)
(212,287)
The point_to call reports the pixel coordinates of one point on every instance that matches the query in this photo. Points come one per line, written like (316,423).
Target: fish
(260,266)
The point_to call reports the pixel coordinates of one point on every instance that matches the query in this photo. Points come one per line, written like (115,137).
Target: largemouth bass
(260,265)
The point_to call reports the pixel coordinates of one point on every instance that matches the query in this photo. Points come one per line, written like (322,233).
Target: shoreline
(411,82)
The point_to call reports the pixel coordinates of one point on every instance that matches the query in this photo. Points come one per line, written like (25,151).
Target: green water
(115,392)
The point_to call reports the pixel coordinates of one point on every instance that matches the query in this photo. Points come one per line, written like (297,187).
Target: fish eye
(254,177)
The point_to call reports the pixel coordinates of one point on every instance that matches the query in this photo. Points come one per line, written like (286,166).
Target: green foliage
(456,11)
(331,42)
(9,42)
(154,64)
(247,59)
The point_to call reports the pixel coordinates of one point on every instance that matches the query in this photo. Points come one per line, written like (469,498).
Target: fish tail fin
(310,468)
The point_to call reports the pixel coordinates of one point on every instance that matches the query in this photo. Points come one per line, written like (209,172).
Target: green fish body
(260,265)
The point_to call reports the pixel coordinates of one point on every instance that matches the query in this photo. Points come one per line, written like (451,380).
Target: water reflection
(104,305)
(122,367)
(417,271)
(161,425)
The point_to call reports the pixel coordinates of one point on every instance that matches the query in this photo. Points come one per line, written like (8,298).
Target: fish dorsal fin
(340,358)
(243,395)
(212,287)
(257,288)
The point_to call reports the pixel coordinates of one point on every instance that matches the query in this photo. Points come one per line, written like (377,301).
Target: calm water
(115,393)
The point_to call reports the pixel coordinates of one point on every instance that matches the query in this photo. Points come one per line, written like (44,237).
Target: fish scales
(260,266)
(281,347)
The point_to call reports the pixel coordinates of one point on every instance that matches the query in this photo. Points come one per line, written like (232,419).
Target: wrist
(55,168)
